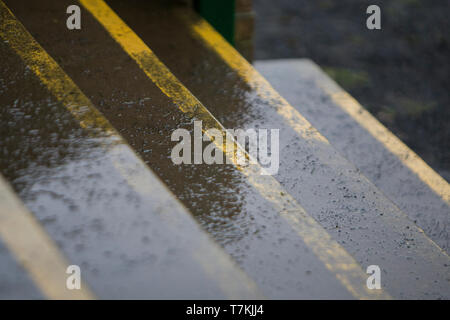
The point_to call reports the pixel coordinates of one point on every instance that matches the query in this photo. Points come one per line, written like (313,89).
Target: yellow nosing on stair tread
(202,30)
(246,71)
(408,157)
(22,234)
(34,249)
(334,257)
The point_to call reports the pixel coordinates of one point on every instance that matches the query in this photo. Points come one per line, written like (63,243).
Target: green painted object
(220,14)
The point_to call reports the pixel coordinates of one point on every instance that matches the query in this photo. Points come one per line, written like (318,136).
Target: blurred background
(400,73)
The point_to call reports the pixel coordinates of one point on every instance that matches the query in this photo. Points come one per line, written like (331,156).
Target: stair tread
(310,91)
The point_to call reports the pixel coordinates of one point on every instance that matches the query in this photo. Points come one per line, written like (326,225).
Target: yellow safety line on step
(406,156)
(33,248)
(22,234)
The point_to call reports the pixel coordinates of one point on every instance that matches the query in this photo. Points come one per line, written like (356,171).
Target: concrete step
(94,203)
(394,168)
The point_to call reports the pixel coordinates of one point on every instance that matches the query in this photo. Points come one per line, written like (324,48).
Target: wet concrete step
(394,168)
(93,202)
(283,249)
(330,188)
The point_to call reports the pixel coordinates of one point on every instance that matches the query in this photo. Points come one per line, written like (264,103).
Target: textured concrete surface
(302,83)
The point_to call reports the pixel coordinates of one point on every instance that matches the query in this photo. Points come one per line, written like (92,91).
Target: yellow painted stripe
(232,281)
(335,258)
(48,71)
(208,35)
(33,248)
(21,233)
(234,60)
(408,157)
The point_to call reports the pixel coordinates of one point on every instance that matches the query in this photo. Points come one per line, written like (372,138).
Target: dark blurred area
(400,73)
